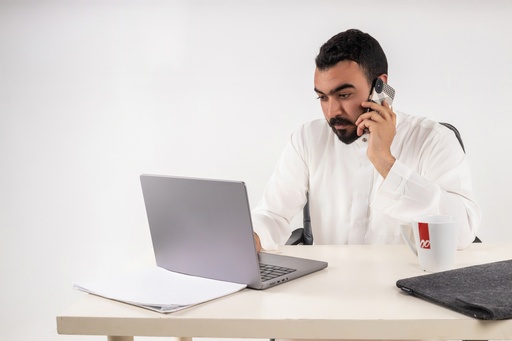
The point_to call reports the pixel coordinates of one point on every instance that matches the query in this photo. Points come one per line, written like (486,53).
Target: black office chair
(304,235)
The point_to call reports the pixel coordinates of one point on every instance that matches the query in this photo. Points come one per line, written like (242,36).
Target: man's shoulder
(312,134)
(412,123)
(313,128)
(419,128)
(318,124)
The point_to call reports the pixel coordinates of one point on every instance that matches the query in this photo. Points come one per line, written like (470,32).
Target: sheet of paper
(159,289)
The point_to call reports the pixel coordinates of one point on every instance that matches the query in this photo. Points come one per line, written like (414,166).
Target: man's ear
(384,78)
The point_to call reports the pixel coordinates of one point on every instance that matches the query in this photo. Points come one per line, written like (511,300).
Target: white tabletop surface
(355,297)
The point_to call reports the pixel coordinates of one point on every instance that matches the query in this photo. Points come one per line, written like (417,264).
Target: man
(366,168)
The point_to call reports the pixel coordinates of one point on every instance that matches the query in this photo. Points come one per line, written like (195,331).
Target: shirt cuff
(394,184)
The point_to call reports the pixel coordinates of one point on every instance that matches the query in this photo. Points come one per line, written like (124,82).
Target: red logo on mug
(424,236)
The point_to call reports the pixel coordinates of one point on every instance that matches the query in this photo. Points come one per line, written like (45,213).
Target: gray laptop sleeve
(481,291)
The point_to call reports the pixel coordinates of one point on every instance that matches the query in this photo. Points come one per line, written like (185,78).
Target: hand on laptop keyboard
(257,242)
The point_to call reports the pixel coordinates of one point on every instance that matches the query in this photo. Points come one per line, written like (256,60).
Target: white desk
(354,298)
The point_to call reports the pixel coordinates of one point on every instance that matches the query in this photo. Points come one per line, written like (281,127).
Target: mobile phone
(381,92)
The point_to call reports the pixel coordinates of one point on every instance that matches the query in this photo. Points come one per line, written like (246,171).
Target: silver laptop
(203,228)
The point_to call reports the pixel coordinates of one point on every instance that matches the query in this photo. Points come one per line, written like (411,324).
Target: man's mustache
(339,121)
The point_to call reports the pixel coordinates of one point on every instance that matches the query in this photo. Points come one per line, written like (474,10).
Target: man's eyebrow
(338,88)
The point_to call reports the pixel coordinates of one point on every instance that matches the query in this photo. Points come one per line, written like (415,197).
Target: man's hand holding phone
(380,122)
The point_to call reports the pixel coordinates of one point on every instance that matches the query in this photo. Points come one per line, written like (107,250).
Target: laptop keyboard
(269,272)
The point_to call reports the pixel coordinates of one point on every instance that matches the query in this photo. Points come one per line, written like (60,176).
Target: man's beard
(344,135)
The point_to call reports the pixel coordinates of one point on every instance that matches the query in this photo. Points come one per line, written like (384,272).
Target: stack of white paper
(159,289)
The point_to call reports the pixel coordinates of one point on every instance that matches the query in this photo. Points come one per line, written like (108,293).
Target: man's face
(341,89)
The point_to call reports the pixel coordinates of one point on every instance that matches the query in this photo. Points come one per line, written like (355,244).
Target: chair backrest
(456,132)
(307,234)
(304,235)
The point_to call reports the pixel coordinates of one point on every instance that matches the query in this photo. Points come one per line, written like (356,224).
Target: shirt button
(365,139)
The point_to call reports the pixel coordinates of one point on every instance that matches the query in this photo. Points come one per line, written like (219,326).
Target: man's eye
(343,95)
(322,98)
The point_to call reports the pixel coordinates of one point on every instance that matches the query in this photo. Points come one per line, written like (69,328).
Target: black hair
(356,46)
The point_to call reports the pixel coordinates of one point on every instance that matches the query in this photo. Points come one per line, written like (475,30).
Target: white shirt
(350,202)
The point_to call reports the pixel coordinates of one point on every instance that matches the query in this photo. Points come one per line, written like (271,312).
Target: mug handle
(406,232)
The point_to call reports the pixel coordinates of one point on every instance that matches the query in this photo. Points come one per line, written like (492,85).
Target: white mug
(435,241)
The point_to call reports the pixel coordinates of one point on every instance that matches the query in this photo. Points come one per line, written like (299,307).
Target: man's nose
(334,108)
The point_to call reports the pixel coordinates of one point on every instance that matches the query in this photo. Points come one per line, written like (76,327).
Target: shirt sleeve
(440,184)
(284,195)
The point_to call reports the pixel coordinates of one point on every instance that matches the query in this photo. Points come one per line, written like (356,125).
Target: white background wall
(93,93)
